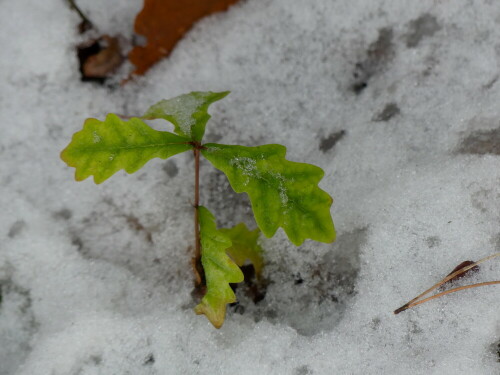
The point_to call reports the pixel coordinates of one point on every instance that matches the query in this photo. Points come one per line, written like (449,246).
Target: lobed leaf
(219,269)
(188,113)
(283,193)
(245,246)
(102,148)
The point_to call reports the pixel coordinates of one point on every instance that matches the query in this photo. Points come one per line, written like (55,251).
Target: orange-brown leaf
(164,22)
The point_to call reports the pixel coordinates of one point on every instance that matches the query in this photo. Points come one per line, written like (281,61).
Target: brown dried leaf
(106,61)
(164,22)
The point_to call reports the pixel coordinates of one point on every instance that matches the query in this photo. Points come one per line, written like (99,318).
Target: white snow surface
(96,279)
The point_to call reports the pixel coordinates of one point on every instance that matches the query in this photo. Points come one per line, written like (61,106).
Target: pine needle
(417,300)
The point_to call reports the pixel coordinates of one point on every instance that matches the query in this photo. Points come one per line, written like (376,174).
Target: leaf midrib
(132,147)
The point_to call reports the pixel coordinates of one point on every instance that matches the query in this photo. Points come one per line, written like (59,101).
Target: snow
(95,279)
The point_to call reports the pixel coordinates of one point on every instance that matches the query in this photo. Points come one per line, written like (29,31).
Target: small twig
(416,301)
(196,203)
(196,261)
(82,15)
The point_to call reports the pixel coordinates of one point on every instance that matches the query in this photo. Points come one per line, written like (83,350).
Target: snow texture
(398,101)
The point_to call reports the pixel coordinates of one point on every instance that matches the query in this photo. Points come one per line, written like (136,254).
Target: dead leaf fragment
(106,61)
(164,22)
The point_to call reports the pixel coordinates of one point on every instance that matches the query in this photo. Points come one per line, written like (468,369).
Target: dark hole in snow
(64,214)
(317,302)
(16,228)
(252,288)
(481,142)
(238,308)
(170,168)
(389,111)
(85,51)
(424,26)
(378,54)
(297,279)
(302,370)
(95,359)
(271,314)
(359,86)
(135,224)
(150,360)
(78,242)
(485,200)
(495,350)
(327,143)
(433,241)
(491,82)
(17,326)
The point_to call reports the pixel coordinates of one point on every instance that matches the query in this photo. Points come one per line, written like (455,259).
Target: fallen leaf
(163,23)
(104,62)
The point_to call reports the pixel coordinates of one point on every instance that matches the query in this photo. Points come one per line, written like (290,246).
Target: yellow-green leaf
(219,269)
(188,113)
(245,246)
(102,148)
(283,193)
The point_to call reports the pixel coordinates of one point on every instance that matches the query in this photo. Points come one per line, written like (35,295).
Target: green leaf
(188,112)
(219,269)
(102,148)
(245,246)
(283,193)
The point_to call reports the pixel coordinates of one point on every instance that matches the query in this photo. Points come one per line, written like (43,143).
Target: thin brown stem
(196,261)
(446,279)
(196,203)
(82,15)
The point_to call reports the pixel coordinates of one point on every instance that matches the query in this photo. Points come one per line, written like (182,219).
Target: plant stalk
(196,203)
(197,267)
(82,15)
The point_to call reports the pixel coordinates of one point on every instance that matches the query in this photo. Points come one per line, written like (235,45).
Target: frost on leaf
(283,193)
(219,269)
(188,113)
(245,246)
(102,148)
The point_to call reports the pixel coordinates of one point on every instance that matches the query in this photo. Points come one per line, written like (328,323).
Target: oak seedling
(282,193)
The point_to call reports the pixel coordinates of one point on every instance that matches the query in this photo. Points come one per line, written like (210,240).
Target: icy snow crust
(96,279)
